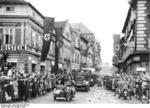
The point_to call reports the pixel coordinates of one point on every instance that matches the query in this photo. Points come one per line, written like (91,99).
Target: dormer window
(9,9)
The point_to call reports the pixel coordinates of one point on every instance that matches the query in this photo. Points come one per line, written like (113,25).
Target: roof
(84,31)
(81,27)
(19,2)
(13,1)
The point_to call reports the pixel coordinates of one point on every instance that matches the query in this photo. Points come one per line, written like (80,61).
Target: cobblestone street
(96,95)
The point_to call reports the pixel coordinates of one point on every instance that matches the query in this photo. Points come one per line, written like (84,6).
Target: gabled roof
(19,2)
(80,27)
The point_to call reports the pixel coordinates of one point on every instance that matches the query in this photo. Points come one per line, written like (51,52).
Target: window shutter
(18,36)
(1,31)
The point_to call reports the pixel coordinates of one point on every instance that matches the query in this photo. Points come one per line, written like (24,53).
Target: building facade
(75,49)
(65,48)
(97,60)
(21,30)
(134,45)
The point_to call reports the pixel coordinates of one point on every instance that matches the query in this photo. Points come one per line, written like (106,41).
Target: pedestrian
(130,90)
(22,88)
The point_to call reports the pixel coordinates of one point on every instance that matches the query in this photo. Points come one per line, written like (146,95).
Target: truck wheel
(54,97)
(71,96)
(68,97)
(87,89)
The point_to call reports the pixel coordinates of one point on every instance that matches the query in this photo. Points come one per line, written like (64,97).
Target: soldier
(130,90)
(20,86)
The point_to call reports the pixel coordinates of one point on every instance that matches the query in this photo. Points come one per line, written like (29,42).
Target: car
(82,83)
(64,91)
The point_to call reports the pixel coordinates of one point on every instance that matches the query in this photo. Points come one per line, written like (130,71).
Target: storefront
(137,60)
(25,59)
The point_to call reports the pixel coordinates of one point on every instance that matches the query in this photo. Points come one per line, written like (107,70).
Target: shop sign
(11,47)
(12,60)
(140,69)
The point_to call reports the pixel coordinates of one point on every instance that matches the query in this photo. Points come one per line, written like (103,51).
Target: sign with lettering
(11,47)
(140,69)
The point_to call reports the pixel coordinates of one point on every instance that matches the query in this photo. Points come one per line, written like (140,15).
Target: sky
(103,17)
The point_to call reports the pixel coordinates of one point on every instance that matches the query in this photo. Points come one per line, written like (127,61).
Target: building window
(26,68)
(37,41)
(33,39)
(9,35)
(33,68)
(42,69)
(9,9)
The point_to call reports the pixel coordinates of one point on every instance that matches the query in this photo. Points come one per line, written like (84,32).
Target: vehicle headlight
(56,91)
(85,82)
(67,89)
(11,83)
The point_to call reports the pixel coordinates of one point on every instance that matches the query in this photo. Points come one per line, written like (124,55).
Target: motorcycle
(8,91)
(65,92)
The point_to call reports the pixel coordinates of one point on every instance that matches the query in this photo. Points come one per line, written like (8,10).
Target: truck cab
(82,82)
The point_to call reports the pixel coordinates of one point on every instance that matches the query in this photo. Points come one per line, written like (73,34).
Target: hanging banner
(47,36)
(116,38)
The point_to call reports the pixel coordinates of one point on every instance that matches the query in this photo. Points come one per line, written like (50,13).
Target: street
(96,95)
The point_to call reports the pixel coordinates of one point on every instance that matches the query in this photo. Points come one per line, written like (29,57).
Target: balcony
(130,48)
(127,53)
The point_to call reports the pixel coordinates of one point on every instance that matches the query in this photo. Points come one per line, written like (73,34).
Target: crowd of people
(136,85)
(15,85)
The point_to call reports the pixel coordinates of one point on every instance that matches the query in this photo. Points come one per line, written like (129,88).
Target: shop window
(12,64)
(33,68)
